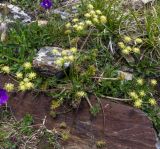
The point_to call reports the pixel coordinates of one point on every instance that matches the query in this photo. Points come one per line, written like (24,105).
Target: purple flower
(46,4)
(3,97)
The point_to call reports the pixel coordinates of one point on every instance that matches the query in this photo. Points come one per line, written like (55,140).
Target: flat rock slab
(124,127)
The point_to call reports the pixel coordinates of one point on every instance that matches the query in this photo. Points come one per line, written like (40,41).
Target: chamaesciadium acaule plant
(111,54)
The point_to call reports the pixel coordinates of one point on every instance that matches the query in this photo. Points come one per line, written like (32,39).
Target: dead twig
(114,98)
(86,39)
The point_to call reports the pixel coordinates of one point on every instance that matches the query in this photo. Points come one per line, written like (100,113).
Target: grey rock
(9,14)
(64,15)
(147,1)
(3,31)
(127,76)
(3,27)
(137,4)
(158,142)
(68,9)
(45,62)
(13,13)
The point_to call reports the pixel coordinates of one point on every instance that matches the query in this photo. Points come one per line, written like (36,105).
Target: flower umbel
(142,93)
(80,94)
(29,85)
(133,94)
(153,82)
(138,103)
(19,75)
(32,75)
(140,81)
(138,40)
(27,65)
(9,87)
(127,39)
(5,69)
(152,101)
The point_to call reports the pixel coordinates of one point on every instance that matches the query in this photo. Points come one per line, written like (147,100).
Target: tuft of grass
(24,40)
(15,134)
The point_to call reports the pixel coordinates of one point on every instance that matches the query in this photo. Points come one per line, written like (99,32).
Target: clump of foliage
(15,134)
(99,43)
